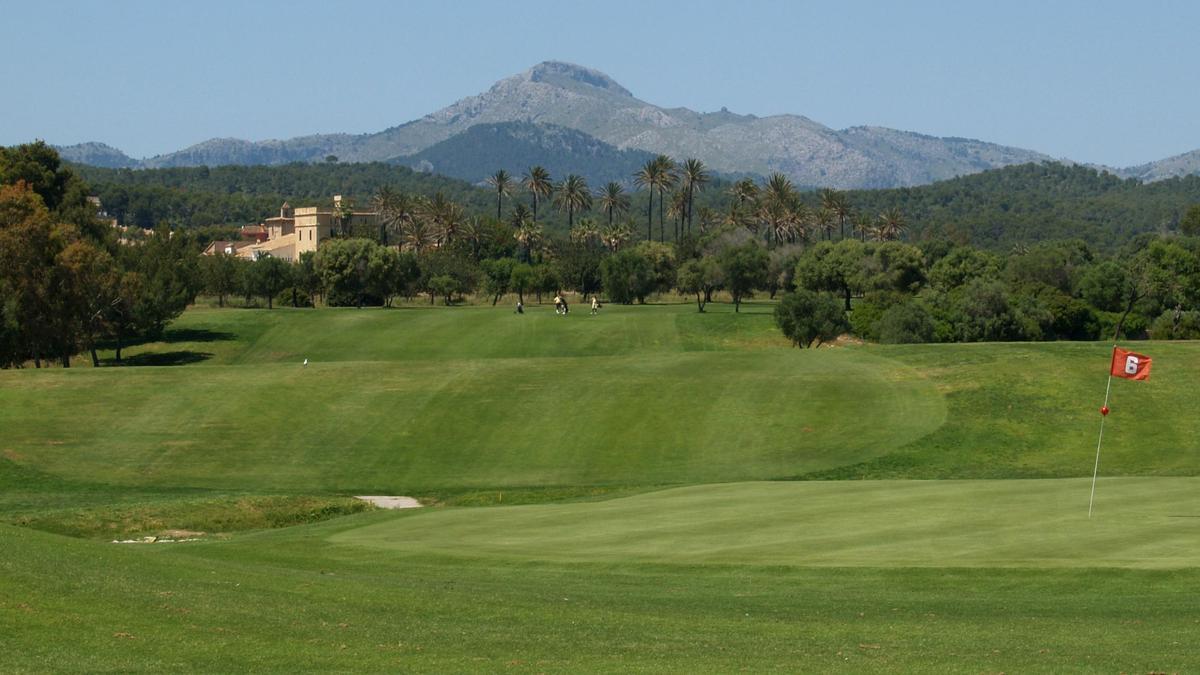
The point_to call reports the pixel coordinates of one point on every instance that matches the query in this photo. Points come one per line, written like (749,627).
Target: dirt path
(390,502)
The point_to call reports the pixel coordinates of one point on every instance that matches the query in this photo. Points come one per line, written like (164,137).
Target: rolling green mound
(627,397)
(454,399)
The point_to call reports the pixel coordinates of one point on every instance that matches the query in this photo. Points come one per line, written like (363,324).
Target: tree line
(67,285)
(837,272)
(995,209)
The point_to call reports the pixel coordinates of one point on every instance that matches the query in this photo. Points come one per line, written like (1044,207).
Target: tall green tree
(502,184)
(270,275)
(839,205)
(613,200)
(745,269)
(394,210)
(777,207)
(694,176)
(892,224)
(537,182)
(219,273)
(700,276)
(647,178)
(667,180)
(572,195)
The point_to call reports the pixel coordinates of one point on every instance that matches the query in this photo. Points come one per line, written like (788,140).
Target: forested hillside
(996,209)
(200,196)
(1036,202)
(514,146)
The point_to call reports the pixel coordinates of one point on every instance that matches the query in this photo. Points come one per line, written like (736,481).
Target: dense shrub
(905,323)
(1176,325)
(628,276)
(808,318)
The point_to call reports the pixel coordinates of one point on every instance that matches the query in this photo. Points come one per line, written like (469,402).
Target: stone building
(297,230)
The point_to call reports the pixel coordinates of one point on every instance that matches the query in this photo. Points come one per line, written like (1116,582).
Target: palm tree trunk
(535,208)
(650,218)
(689,213)
(662,233)
(499,203)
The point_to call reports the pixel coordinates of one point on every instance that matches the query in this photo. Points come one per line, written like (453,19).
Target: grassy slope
(652,582)
(414,400)
(628,397)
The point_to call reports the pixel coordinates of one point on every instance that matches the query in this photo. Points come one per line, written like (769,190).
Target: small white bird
(306,362)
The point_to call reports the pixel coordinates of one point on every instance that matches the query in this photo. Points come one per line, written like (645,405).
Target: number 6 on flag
(1130,365)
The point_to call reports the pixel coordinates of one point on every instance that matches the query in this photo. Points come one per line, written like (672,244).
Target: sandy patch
(180,534)
(390,502)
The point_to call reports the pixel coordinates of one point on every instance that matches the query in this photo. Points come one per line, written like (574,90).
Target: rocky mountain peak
(572,76)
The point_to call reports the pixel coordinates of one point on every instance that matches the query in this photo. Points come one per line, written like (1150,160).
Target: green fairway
(651,448)
(695,403)
(1141,522)
(447,399)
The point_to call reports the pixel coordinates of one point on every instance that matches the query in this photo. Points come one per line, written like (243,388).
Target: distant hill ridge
(555,95)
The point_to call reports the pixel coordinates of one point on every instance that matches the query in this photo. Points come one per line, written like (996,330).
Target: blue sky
(1106,82)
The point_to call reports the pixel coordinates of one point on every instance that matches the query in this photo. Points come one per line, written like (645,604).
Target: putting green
(1139,522)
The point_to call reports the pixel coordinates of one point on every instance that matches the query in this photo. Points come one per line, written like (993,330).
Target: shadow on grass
(176,358)
(174,335)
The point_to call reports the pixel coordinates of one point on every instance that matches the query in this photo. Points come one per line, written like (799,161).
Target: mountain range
(575,119)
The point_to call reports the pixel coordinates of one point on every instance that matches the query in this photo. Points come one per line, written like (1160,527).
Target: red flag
(1130,365)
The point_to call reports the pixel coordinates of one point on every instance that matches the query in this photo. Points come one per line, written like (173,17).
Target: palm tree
(613,199)
(474,231)
(777,204)
(744,192)
(573,195)
(395,210)
(391,209)
(801,221)
(502,183)
(779,220)
(677,210)
(528,235)
(443,216)
(739,216)
(694,176)
(824,220)
(862,225)
(614,235)
(891,224)
(708,218)
(586,232)
(519,216)
(343,215)
(839,205)
(667,178)
(417,236)
(647,179)
(537,182)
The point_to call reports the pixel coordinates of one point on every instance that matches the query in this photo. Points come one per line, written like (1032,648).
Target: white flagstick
(1096,470)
